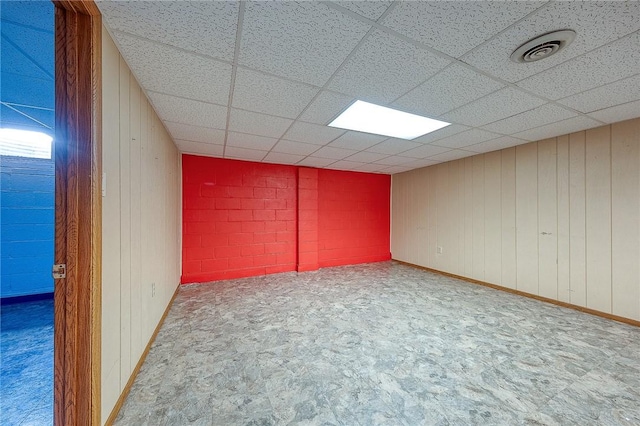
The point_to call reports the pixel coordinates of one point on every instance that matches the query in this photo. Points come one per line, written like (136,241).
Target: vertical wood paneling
(460,217)
(441,202)
(493,217)
(563,218)
(429,251)
(145,274)
(141,227)
(577,231)
(468,217)
(598,208)
(547,219)
(125,227)
(478,216)
(527,217)
(110,376)
(508,217)
(558,218)
(625,211)
(136,219)
(398,215)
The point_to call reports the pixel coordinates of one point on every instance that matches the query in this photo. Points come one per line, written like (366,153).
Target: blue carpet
(26,361)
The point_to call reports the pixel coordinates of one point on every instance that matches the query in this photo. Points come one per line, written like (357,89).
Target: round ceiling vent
(543,46)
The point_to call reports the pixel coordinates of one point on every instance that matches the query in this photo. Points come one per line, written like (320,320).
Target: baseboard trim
(134,373)
(529,295)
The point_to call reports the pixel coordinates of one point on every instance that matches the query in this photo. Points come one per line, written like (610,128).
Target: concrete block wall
(244,219)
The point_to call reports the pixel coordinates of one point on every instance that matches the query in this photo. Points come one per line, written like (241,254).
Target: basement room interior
(346,213)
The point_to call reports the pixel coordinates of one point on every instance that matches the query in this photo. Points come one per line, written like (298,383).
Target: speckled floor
(26,363)
(382,344)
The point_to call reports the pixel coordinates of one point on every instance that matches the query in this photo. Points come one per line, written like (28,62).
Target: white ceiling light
(370,118)
(24,143)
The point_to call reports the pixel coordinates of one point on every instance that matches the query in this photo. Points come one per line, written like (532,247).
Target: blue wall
(27,66)
(27,184)
(26,232)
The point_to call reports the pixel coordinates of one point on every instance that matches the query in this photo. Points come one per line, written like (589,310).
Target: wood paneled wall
(558,218)
(141,223)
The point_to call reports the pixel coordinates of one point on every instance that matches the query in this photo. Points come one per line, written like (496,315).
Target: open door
(78,206)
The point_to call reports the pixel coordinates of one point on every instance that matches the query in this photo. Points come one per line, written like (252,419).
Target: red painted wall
(353,217)
(243,219)
(239,219)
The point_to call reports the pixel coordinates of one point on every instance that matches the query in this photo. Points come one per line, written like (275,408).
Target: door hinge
(59,271)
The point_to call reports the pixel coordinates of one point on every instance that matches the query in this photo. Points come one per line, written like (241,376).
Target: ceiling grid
(260,81)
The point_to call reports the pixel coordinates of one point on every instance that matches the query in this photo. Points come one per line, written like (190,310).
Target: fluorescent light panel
(25,143)
(371,118)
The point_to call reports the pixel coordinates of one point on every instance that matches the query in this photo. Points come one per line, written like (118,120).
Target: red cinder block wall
(239,219)
(243,219)
(353,217)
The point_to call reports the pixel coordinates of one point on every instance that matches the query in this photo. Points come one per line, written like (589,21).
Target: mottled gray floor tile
(381,344)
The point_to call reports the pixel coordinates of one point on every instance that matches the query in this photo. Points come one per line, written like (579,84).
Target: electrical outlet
(153,289)
(439,249)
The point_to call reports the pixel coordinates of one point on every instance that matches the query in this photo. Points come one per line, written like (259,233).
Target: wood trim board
(127,388)
(78,209)
(528,295)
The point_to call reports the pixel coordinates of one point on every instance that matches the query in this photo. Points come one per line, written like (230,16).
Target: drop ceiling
(260,81)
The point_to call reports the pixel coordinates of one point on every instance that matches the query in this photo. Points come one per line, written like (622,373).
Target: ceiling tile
(619,92)
(258,124)
(452,87)
(326,107)
(385,67)
(396,169)
(618,113)
(450,130)
(395,160)
(366,157)
(595,22)
(270,95)
(244,153)
(191,147)
(305,41)
(28,51)
(454,27)
(496,106)
(369,9)
(242,140)
(557,129)
(357,140)
(297,148)
(282,158)
(417,164)
(370,168)
(495,144)
(424,151)
(312,133)
(194,133)
(345,165)
(204,27)
(187,111)
(607,64)
(454,154)
(544,114)
(175,72)
(334,153)
(470,137)
(316,162)
(393,146)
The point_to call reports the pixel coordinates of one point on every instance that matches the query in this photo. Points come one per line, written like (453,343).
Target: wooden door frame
(78,213)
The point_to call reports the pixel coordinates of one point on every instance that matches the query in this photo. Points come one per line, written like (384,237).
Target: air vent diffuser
(543,46)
